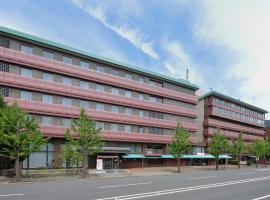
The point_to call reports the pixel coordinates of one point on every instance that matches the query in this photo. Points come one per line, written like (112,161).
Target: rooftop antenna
(187,74)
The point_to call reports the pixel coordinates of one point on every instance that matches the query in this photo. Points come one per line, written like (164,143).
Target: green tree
(2,103)
(218,145)
(70,152)
(19,135)
(260,148)
(88,141)
(238,147)
(180,143)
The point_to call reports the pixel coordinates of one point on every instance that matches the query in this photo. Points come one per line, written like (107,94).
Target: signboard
(99,164)
(243,162)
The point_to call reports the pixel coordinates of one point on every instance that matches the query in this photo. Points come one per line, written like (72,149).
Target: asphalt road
(248,184)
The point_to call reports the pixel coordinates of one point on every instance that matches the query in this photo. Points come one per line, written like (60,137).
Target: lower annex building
(137,109)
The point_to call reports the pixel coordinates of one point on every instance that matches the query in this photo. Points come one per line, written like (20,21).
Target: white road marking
(247,173)
(204,177)
(131,184)
(178,190)
(9,195)
(262,169)
(261,197)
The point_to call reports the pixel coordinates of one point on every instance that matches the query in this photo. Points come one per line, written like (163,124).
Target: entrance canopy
(167,156)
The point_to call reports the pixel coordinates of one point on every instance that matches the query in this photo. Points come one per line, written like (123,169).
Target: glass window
(46,120)
(154,83)
(84,104)
(141,80)
(84,84)
(100,125)
(38,160)
(26,49)
(128,76)
(66,101)
(84,64)
(100,69)
(100,88)
(127,129)
(26,72)
(67,60)
(115,91)
(128,111)
(47,76)
(141,96)
(128,93)
(66,122)
(153,99)
(115,109)
(67,81)
(25,95)
(47,98)
(114,127)
(47,54)
(141,113)
(141,130)
(115,72)
(99,106)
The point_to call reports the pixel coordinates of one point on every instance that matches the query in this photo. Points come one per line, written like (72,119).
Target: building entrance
(110,162)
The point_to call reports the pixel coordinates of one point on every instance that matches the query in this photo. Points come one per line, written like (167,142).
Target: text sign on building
(99,164)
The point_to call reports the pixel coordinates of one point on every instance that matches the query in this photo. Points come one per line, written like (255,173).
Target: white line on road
(131,184)
(247,173)
(204,177)
(178,190)
(9,195)
(259,198)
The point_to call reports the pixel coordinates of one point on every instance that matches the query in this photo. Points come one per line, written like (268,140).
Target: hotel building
(137,109)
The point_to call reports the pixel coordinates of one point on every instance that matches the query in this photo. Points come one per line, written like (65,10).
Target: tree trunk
(178,164)
(239,158)
(85,165)
(17,169)
(217,159)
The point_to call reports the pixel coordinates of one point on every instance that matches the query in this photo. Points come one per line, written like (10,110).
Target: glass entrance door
(108,163)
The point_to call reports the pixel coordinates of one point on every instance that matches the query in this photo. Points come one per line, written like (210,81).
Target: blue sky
(224,43)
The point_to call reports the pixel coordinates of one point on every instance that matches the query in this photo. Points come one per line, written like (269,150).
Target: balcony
(39,62)
(17,81)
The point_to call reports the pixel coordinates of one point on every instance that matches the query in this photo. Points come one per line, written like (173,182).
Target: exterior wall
(199,121)
(162,101)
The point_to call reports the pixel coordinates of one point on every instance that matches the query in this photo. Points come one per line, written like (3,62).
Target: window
(100,125)
(128,93)
(141,130)
(84,104)
(84,84)
(67,81)
(100,106)
(141,80)
(154,83)
(84,64)
(128,76)
(100,88)
(66,101)
(66,122)
(47,77)
(100,69)
(115,109)
(156,115)
(45,120)
(154,130)
(141,96)
(115,72)
(25,95)
(26,72)
(115,91)
(26,49)
(4,91)
(127,129)
(141,113)
(46,98)
(4,67)
(67,60)
(152,99)
(47,54)
(4,42)
(114,127)
(128,111)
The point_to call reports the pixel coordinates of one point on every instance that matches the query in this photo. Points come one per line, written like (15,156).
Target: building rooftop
(237,101)
(102,59)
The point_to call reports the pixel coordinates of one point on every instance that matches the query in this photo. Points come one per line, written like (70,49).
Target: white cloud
(243,26)
(177,61)
(133,35)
